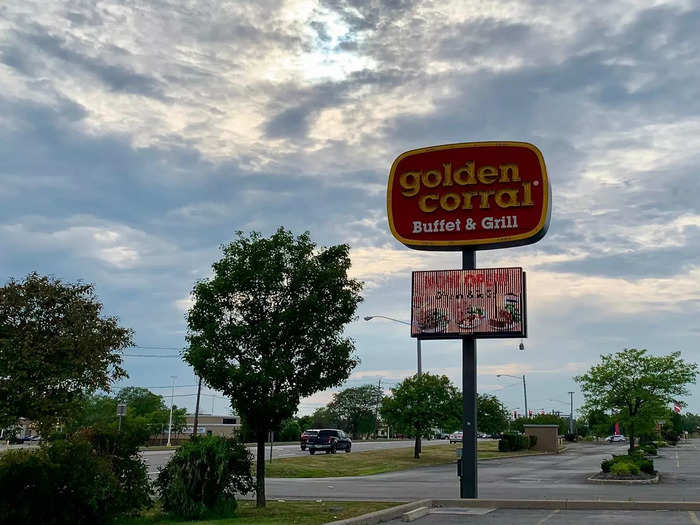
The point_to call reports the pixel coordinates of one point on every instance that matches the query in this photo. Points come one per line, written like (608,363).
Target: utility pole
(172,396)
(196,410)
(527,414)
(571,415)
(376,408)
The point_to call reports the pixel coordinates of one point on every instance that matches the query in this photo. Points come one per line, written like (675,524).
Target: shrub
(649,449)
(624,468)
(570,437)
(203,477)
(671,436)
(646,465)
(638,462)
(589,438)
(514,441)
(64,482)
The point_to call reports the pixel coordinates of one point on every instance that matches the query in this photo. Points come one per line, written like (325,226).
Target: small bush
(503,445)
(570,437)
(661,443)
(589,438)
(203,477)
(638,462)
(647,466)
(649,449)
(624,468)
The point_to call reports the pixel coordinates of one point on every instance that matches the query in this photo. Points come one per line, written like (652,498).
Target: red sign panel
(488,302)
(478,195)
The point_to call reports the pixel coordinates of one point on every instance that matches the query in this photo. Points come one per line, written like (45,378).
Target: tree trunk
(260,471)
(631,429)
(417,447)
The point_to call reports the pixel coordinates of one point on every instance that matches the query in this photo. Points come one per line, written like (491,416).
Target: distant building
(209,425)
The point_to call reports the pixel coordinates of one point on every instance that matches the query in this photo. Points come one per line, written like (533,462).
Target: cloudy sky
(137,136)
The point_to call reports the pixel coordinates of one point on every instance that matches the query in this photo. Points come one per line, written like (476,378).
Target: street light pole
(172,396)
(527,414)
(571,414)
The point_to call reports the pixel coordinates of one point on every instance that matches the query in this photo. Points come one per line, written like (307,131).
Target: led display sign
(488,302)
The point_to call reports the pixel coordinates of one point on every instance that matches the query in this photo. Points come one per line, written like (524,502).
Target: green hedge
(72,481)
(639,462)
(511,441)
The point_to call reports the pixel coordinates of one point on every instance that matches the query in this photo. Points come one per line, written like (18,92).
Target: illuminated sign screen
(483,303)
(474,195)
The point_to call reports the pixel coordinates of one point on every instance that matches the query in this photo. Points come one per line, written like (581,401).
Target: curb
(652,481)
(398,511)
(383,515)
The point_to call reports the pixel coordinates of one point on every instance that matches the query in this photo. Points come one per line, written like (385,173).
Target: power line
(158,347)
(153,355)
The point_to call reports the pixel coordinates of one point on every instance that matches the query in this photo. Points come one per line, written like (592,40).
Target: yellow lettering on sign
(468,171)
(487,175)
(423,203)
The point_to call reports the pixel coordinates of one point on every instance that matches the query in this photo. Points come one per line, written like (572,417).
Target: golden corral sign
(474,195)
(488,302)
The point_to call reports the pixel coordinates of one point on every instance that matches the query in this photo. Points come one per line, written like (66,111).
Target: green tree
(267,328)
(290,430)
(691,422)
(150,409)
(146,413)
(324,418)
(356,408)
(491,415)
(418,404)
(305,422)
(542,419)
(632,384)
(599,423)
(54,348)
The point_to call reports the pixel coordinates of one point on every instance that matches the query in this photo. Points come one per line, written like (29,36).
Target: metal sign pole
(468,481)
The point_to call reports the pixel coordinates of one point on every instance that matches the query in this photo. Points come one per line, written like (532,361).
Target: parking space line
(544,520)
(693,518)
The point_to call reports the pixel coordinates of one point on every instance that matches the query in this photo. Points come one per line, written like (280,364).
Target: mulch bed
(639,477)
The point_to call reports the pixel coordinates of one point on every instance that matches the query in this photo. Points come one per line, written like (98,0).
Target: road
(560,476)
(157,458)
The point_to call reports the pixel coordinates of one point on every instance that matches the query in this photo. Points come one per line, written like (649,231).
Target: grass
(276,513)
(375,461)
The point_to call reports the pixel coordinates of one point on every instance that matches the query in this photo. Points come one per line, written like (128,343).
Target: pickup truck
(330,440)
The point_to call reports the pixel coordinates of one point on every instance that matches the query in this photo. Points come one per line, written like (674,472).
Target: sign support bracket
(468,486)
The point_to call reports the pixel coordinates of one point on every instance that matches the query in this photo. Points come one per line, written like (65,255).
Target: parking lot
(562,476)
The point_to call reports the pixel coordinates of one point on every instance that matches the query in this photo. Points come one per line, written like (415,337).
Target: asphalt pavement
(447,516)
(157,458)
(560,476)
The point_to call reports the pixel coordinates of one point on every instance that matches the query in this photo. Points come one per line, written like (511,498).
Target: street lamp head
(521,346)
(369,318)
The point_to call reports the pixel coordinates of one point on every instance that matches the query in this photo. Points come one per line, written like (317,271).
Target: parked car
(330,440)
(456,437)
(442,435)
(305,435)
(618,438)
